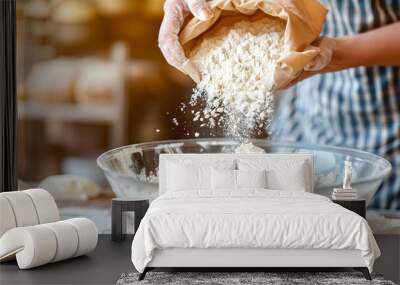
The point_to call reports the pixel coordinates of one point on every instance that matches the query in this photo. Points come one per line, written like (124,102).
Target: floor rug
(244,278)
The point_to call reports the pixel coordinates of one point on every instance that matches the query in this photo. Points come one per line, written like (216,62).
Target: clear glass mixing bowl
(132,170)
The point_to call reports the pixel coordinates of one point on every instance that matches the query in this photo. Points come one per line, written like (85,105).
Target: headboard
(196,159)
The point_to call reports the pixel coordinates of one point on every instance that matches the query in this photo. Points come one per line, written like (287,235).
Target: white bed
(206,226)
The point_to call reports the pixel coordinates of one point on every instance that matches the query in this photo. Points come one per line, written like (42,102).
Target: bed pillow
(292,173)
(184,178)
(293,178)
(223,179)
(179,172)
(230,180)
(251,179)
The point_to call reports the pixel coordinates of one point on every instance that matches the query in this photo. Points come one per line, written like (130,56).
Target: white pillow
(251,178)
(168,179)
(284,172)
(226,179)
(293,178)
(223,179)
(183,177)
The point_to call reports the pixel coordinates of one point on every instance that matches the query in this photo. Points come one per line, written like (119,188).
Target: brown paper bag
(304,20)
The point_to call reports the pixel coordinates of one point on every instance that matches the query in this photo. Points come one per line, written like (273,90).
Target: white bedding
(250,219)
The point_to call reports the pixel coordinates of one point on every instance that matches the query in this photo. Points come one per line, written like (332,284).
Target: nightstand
(358,206)
(118,207)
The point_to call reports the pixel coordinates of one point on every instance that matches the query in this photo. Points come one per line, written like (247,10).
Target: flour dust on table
(237,66)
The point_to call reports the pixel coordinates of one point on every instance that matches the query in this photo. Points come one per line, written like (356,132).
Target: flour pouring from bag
(237,67)
(246,51)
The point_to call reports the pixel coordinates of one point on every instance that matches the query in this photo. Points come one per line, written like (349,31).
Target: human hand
(321,63)
(175,12)
(378,47)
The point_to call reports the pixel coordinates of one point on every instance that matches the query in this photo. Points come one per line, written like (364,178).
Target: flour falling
(237,66)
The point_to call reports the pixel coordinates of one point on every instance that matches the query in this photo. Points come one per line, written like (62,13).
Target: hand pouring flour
(244,53)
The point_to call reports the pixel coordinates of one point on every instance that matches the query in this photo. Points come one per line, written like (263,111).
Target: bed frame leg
(364,271)
(143,274)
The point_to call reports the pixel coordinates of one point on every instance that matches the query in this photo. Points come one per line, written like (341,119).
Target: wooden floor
(103,266)
(111,259)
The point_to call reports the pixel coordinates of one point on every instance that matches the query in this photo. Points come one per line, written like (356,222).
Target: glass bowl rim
(386,166)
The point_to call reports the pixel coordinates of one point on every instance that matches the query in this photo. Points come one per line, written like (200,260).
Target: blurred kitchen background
(91,78)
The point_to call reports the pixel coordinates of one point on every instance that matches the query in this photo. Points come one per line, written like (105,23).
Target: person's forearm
(379,47)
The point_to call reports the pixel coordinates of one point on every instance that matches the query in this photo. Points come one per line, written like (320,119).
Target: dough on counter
(70,187)
(52,80)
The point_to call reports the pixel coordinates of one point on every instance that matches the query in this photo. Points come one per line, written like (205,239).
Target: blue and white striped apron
(358,107)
